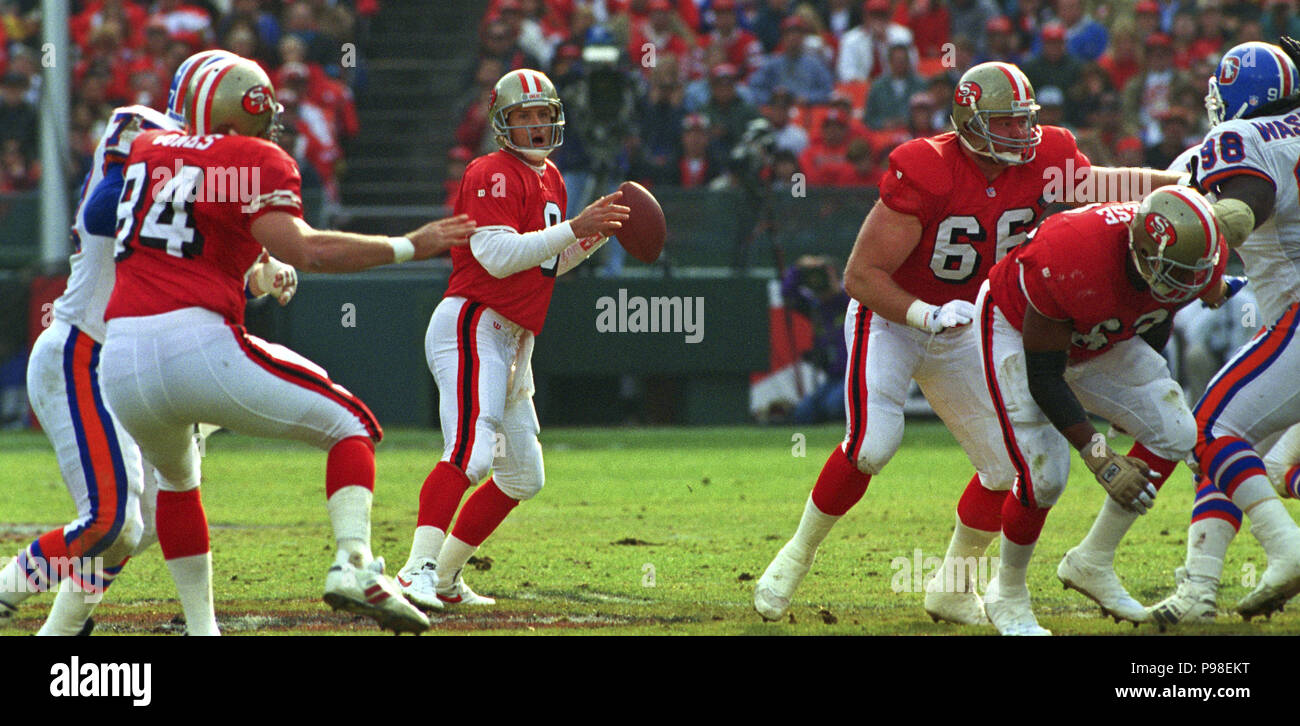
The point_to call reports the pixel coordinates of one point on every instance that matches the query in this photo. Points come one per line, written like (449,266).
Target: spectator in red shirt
(526,31)
(863,171)
(152,58)
(1002,41)
(929,23)
(663,31)
(698,164)
(129,15)
(108,52)
(825,159)
(1120,61)
(740,47)
(186,22)
(1147,15)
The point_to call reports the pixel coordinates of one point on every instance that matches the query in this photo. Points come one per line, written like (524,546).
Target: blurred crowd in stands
(125,51)
(840,83)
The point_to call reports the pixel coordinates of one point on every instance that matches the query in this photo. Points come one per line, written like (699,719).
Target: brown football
(644,231)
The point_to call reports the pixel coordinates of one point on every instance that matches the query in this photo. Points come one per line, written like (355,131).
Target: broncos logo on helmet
(1249,75)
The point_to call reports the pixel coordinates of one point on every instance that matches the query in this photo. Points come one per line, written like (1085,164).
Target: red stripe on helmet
(1283,69)
(1015,83)
(1203,214)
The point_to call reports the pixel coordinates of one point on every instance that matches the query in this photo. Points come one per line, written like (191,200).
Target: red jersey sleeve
(279,187)
(915,182)
(492,196)
(1041,284)
(1060,148)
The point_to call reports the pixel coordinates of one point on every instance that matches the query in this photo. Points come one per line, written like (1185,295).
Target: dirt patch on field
(326,622)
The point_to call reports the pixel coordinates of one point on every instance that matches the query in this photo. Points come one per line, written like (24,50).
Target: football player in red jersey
(1075,320)
(480,338)
(196,211)
(950,206)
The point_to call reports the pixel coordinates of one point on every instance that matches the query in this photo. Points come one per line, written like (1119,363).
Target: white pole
(55,111)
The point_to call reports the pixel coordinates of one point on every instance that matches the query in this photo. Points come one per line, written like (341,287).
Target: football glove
(269,276)
(1126,479)
(937,319)
(1235,283)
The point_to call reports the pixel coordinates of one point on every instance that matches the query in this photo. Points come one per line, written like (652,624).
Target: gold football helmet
(232,96)
(520,89)
(1175,243)
(995,89)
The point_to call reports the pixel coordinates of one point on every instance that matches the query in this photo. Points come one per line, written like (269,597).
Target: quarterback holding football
(480,339)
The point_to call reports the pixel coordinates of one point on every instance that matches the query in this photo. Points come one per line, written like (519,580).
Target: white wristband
(917,312)
(403,248)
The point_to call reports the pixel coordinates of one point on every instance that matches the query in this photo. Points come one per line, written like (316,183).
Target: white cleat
(1193,602)
(460,594)
(368,591)
(1279,583)
(419,584)
(777,585)
(1099,583)
(1011,615)
(962,608)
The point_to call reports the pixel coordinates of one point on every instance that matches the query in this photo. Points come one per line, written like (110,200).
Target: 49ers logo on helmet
(1229,69)
(257,100)
(1160,229)
(967,94)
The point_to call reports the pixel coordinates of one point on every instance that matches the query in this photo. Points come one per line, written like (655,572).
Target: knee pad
(1176,442)
(525,476)
(124,545)
(872,457)
(997,481)
(1049,482)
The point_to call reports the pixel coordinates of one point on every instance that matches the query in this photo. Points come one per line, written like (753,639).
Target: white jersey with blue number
(91,281)
(1267,147)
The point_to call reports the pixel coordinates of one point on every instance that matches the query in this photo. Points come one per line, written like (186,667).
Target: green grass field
(638,531)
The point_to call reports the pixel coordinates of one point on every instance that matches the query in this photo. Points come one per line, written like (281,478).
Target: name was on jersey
(658,314)
(75,679)
(209,184)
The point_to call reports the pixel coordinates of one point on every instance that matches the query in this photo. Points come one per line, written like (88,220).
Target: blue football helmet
(1249,76)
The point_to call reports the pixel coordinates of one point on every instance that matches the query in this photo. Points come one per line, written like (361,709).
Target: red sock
(440,496)
(980,507)
(840,485)
(182,525)
(1022,524)
(1161,466)
(351,462)
(484,511)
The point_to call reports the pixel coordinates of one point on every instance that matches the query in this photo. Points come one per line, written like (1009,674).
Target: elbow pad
(1046,373)
(1235,219)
